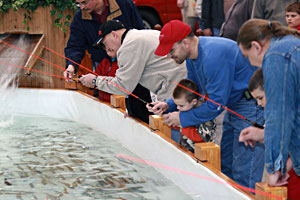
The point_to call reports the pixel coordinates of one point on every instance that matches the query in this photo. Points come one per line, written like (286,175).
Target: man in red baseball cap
(220,71)
(169,36)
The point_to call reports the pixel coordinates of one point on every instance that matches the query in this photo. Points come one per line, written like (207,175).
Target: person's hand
(126,114)
(172,119)
(180,3)
(276,179)
(251,135)
(158,108)
(207,32)
(289,164)
(87,80)
(69,72)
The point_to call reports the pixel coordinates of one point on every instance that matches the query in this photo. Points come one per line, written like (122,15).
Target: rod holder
(208,152)
(118,101)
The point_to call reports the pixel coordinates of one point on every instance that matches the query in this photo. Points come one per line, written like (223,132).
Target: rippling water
(42,158)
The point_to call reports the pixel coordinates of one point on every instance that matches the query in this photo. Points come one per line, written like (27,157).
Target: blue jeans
(243,164)
(216,31)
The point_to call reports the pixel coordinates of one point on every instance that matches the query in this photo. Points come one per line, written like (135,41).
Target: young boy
(252,134)
(186,100)
(292,15)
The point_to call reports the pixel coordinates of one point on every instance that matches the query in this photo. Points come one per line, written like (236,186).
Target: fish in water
(6,182)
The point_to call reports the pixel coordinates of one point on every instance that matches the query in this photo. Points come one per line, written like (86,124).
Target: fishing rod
(142,100)
(255,124)
(145,102)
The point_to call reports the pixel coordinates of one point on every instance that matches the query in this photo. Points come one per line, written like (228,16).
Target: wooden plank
(37,51)
(118,101)
(164,128)
(154,121)
(265,188)
(208,152)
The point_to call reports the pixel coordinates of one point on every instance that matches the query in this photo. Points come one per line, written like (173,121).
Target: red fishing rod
(142,100)
(255,124)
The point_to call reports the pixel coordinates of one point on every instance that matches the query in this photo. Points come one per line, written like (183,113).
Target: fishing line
(151,105)
(33,70)
(253,123)
(153,164)
(142,100)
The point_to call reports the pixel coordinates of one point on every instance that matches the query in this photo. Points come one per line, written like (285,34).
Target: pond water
(47,158)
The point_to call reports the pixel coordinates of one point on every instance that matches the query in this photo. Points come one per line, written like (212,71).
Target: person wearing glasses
(84,32)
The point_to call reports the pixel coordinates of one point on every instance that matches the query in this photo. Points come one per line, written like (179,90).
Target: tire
(150,19)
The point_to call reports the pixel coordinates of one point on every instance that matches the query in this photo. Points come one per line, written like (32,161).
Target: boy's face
(183,104)
(260,96)
(292,19)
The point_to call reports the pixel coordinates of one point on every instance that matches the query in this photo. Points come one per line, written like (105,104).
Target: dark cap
(107,28)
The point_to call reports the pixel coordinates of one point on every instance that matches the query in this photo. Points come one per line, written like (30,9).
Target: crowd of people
(252,68)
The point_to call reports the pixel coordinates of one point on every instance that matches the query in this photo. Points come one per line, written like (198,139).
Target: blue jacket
(221,72)
(84,32)
(281,69)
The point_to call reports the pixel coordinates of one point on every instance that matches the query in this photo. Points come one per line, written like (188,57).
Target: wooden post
(118,101)
(210,152)
(154,122)
(265,188)
(164,128)
(157,123)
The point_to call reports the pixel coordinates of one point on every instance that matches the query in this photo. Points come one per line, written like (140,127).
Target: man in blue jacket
(85,31)
(221,72)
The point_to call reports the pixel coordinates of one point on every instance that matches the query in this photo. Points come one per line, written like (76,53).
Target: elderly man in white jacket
(137,62)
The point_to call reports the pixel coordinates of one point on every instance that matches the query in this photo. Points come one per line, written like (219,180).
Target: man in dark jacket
(84,32)
(86,23)
(239,12)
(212,16)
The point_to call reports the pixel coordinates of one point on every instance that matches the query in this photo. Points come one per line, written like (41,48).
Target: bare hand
(207,32)
(251,135)
(158,108)
(69,72)
(172,119)
(276,179)
(87,80)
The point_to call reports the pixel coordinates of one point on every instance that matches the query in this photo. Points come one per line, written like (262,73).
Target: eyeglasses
(83,3)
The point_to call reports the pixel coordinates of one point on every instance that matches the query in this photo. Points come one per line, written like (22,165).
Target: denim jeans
(243,164)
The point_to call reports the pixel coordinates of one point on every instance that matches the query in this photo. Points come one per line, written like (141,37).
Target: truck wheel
(150,19)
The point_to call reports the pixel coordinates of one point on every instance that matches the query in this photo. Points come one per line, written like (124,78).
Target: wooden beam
(118,101)
(72,85)
(154,121)
(37,51)
(157,123)
(265,188)
(208,152)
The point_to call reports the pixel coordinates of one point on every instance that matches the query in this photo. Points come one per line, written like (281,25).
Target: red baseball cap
(171,33)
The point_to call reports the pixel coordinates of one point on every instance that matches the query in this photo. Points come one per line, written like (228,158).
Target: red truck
(157,11)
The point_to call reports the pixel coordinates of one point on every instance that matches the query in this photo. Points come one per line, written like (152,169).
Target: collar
(124,35)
